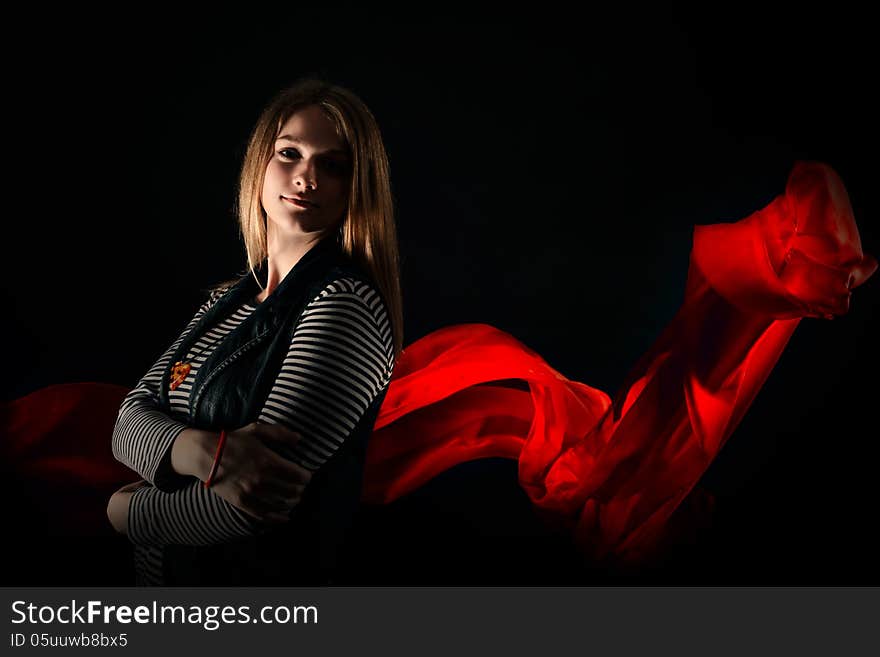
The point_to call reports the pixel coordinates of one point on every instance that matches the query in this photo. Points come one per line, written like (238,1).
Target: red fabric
(56,448)
(611,471)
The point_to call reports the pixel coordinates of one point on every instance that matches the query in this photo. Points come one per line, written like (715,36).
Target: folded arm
(339,360)
(144,435)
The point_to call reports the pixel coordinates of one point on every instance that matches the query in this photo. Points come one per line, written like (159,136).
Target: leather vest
(229,391)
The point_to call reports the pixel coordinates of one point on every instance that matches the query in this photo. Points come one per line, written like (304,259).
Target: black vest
(229,391)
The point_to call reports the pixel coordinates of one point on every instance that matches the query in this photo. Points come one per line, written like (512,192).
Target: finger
(265,512)
(284,504)
(272,499)
(274,515)
(270,517)
(279,518)
(293,473)
(279,433)
(283,470)
(280,492)
(278,496)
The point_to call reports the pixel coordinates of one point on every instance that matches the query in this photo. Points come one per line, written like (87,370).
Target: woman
(293,360)
(609,472)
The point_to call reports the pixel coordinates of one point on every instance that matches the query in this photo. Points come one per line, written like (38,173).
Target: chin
(291,224)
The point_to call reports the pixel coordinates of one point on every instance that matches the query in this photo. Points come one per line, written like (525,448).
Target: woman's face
(310,162)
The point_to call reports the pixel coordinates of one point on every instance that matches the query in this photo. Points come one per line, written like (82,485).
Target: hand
(117,508)
(252,476)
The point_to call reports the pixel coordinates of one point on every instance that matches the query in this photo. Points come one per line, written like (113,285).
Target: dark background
(548,175)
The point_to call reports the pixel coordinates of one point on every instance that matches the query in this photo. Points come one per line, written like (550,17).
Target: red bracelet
(217,454)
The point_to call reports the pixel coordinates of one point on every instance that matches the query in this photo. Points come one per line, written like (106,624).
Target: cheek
(274,172)
(340,193)
(270,184)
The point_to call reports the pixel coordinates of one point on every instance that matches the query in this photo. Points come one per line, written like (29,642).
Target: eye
(333,166)
(336,167)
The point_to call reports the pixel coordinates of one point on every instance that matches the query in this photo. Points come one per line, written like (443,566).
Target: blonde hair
(367,233)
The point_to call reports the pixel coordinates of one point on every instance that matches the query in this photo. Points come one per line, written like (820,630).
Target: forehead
(310,127)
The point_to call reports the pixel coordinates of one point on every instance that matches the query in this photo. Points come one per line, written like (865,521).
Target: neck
(283,254)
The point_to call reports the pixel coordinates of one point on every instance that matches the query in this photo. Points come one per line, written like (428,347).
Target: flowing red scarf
(612,471)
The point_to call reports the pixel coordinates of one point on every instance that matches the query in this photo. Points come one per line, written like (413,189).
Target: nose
(304,176)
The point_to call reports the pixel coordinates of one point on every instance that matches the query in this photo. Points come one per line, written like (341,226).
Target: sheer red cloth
(612,471)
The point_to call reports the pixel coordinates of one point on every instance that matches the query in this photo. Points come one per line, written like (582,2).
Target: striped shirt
(340,358)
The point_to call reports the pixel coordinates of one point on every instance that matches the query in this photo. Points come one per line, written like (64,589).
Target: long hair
(367,233)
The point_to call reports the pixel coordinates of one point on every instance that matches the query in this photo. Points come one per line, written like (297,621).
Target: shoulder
(213,296)
(351,303)
(215,293)
(356,290)
(352,294)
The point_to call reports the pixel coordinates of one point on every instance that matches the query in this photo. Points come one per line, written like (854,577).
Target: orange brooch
(178,374)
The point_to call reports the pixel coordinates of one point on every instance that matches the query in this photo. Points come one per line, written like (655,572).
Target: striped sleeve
(340,358)
(143,434)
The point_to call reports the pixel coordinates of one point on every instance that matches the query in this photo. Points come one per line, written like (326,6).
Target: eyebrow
(297,140)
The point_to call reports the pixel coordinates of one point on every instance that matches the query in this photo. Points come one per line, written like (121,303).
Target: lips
(299,202)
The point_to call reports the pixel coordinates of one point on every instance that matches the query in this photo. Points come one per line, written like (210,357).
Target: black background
(547,173)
